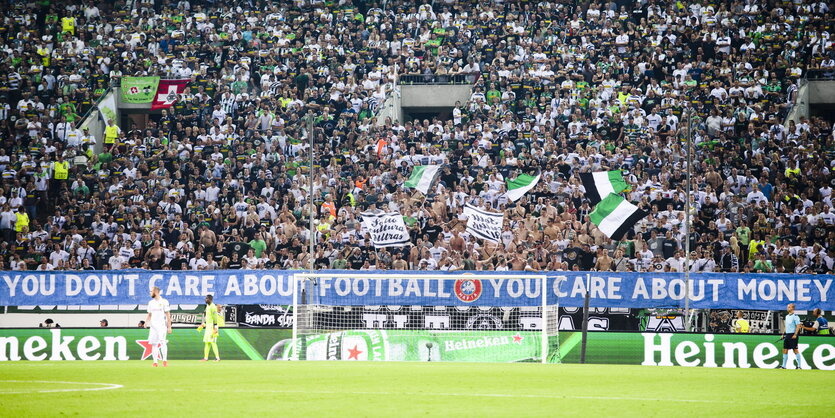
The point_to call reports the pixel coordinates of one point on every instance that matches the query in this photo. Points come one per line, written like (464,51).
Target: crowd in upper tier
(220,180)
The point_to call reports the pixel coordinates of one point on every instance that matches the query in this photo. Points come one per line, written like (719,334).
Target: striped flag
(422,177)
(517,187)
(599,184)
(614,216)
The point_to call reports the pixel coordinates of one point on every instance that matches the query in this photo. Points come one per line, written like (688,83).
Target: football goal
(423,317)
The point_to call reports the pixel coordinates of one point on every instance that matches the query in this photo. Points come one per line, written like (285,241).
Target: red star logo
(353,353)
(517,339)
(148,347)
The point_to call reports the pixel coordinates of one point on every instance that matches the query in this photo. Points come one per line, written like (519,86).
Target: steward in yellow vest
(68,25)
(111,132)
(60,169)
(22,221)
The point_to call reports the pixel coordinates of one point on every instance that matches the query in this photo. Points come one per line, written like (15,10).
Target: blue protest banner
(607,289)
(132,287)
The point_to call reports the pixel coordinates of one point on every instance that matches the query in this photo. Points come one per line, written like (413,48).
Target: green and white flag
(614,216)
(139,89)
(517,187)
(107,108)
(598,185)
(422,178)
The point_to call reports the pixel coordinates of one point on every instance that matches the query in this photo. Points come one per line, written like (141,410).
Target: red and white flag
(167,93)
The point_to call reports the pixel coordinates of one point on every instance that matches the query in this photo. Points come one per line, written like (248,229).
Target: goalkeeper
(212,320)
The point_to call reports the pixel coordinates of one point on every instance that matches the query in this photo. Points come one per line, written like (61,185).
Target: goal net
(423,317)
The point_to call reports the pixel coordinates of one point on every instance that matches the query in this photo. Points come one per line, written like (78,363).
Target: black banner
(437,317)
(600,319)
(274,316)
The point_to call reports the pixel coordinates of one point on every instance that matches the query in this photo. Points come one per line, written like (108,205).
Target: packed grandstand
(220,180)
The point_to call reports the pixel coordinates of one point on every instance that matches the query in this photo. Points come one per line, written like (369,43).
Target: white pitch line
(472,395)
(104,386)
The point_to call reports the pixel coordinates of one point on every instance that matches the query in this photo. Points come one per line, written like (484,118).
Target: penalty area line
(471,395)
(101,386)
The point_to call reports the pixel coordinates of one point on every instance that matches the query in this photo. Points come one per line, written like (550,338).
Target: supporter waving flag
(599,184)
(517,187)
(422,178)
(614,216)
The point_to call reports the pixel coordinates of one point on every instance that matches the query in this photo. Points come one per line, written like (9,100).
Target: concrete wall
(811,93)
(434,95)
(821,92)
(391,108)
(801,106)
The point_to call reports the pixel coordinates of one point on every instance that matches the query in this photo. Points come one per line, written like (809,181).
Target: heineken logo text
(470,344)
(659,350)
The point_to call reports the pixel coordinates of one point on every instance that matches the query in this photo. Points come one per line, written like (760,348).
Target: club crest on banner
(467,290)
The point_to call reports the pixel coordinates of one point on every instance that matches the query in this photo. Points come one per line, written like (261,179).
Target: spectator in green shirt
(258,245)
(763,265)
(82,190)
(340,263)
(105,157)
(493,95)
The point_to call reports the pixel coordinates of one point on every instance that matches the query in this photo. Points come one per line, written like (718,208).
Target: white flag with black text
(387,229)
(483,224)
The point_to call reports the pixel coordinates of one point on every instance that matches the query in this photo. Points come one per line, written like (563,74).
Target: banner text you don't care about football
(707,290)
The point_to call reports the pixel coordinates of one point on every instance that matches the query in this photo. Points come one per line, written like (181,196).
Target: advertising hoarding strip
(422,345)
(627,348)
(243,344)
(702,350)
(573,338)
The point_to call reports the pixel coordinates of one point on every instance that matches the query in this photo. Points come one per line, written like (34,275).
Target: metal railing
(821,74)
(95,105)
(436,79)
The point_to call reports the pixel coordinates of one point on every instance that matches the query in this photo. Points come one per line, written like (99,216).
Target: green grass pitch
(325,389)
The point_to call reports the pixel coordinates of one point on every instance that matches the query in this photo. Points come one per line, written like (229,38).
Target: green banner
(702,350)
(420,345)
(131,344)
(139,89)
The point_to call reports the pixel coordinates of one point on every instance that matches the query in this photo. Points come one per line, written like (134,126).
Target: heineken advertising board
(418,345)
(704,350)
(130,343)
(647,349)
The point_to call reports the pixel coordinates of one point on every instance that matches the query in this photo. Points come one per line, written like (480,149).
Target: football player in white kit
(159,321)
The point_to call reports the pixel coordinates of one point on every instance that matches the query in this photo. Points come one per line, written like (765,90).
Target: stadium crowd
(220,180)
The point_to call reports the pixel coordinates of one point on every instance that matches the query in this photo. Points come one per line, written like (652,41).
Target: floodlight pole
(310,193)
(688,206)
(585,325)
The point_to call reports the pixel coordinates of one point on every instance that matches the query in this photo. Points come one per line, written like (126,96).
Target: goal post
(412,316)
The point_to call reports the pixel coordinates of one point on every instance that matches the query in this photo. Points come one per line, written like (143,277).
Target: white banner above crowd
(483,224)
(387,229)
